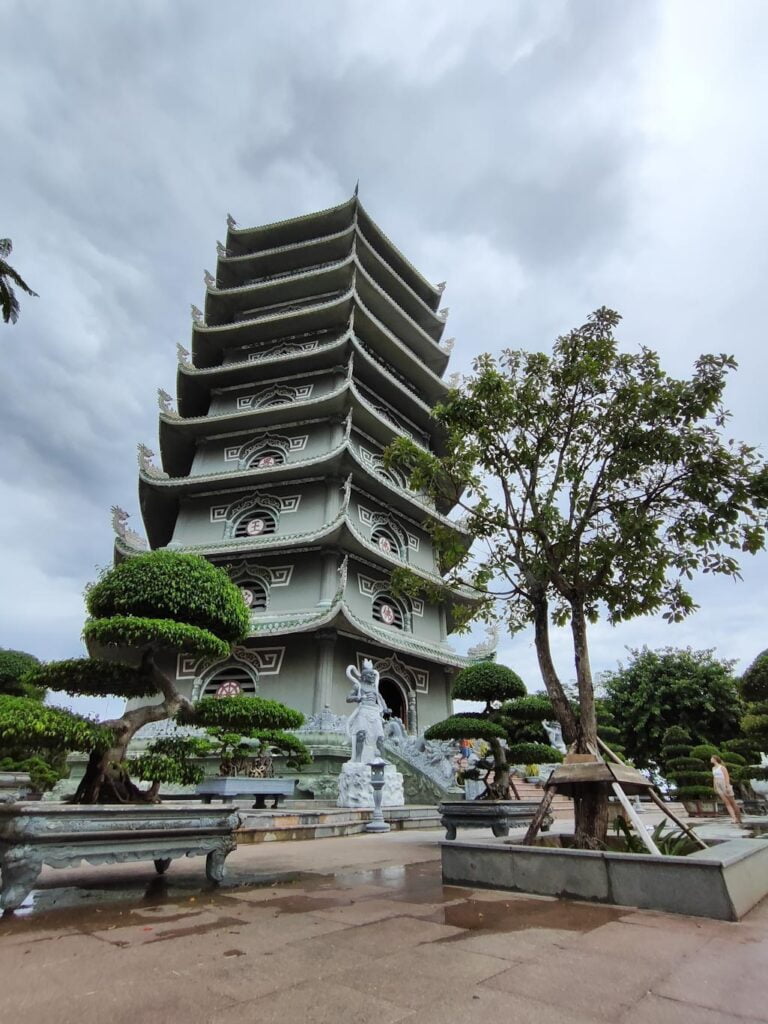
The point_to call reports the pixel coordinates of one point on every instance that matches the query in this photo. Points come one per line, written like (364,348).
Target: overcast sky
(544,158)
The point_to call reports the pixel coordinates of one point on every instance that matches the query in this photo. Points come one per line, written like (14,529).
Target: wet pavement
(360,929)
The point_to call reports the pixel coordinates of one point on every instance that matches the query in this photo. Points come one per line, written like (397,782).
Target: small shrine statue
(555,733)
(365,726)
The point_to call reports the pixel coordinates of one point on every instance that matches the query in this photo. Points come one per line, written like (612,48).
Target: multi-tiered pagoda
(318,344)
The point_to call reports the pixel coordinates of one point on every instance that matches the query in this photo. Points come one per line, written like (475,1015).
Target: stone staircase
(306,820)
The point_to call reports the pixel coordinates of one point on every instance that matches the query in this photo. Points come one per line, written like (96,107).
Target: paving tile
(657,1010)
(620,939)
(484,1004)
(442,959)
(579,982)
(725,975)
(516,946)
(365,911)
(314,1003)
(391,935)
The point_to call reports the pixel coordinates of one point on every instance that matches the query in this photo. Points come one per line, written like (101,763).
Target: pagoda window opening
(256,523)
(391,611)
(230,681)
(255,594)
(266,458)
(387,541)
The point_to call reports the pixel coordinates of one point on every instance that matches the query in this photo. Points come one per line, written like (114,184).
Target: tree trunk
(563,710)
(499,788)
(591,806)
(106,779)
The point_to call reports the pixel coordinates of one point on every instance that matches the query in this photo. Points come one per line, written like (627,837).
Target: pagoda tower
(318,344)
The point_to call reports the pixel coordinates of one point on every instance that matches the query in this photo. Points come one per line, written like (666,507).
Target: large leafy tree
(596,484)
(9,304)
(754,690)
(656,690)
(148,606)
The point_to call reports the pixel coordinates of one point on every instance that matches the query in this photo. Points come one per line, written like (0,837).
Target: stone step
(297,823)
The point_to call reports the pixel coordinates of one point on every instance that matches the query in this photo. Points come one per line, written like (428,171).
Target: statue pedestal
(355,789)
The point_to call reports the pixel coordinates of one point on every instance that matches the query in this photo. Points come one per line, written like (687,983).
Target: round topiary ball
(172,585)
(487,681)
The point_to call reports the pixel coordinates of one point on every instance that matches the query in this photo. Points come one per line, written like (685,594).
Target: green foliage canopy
(487,681)
(171,585)
(14,667)
(671,687)
(93,677)
(133,631)
(25,722)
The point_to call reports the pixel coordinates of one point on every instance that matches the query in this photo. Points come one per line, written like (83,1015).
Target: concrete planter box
(63,835)
(498,815)
(228,787)
(723,882)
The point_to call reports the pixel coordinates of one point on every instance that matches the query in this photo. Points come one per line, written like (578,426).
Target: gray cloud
(544,158)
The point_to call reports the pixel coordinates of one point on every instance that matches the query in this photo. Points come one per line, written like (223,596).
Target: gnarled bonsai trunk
(106,780)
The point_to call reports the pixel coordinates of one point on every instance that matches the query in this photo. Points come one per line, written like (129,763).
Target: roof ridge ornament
(209,279)
(442,314)
(486,649)
(182,355)
(165,403)
(357,188)
(231,222)
(221,250)
(343,571)
(441,286)
(119,524)
(346,490)
(197,315)
(146,465)
(453,380)
(447,346)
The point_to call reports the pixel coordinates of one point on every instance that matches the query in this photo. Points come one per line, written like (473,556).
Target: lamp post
(377,823)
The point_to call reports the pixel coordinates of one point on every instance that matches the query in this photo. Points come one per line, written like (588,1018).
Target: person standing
(721,781)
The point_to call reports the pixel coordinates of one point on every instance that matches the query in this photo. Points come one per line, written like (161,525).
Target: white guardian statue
(365,728)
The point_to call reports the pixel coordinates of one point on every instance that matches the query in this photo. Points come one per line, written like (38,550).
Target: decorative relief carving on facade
(273,575)
(245,452)
(266,661)
(284,505)
(410,676)
(146,465)
(283,349)
(282,394)
(119,524)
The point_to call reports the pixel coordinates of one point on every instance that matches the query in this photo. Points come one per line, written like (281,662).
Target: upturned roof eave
(241,238)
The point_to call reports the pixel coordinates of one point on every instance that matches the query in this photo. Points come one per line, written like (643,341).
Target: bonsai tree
(527,740)
(43,763)
(240,731)
(35,738)
(492,684)
(754,689)
(143,612)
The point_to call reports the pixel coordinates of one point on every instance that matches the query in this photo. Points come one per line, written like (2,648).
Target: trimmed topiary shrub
(754,689)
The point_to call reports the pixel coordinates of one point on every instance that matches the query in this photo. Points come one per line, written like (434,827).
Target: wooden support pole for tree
(538,817)
(642,832)
(658,801)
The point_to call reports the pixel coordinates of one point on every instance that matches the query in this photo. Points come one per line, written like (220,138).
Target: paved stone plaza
(357,930)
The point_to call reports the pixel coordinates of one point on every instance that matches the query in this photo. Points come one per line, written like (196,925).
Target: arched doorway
(394,698)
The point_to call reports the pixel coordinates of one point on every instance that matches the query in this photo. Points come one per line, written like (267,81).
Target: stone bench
(63,835)
(228,787)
